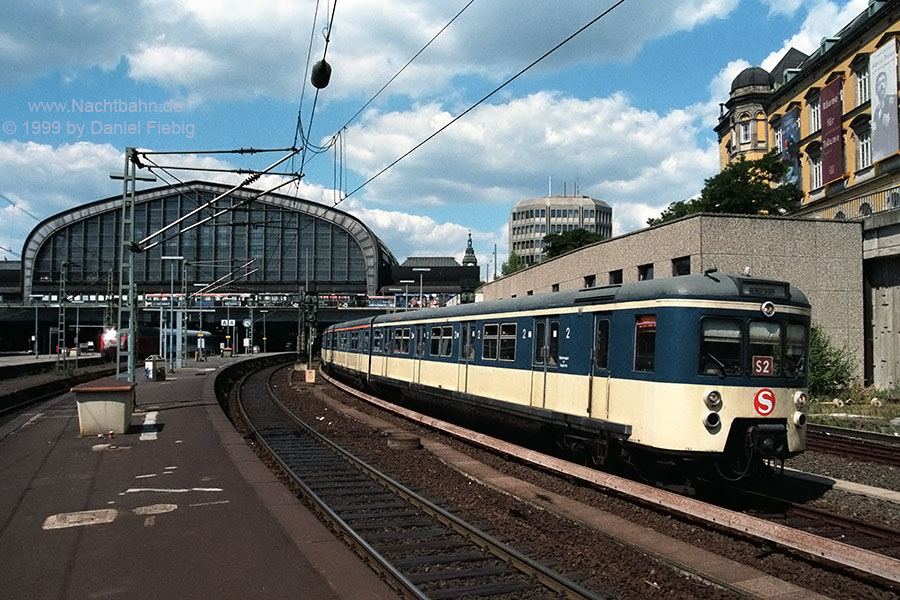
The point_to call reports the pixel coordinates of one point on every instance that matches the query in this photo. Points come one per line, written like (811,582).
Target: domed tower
(470,260)
(742,127)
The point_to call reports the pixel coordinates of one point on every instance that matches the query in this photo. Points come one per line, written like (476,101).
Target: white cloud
(240,49)
(824,19)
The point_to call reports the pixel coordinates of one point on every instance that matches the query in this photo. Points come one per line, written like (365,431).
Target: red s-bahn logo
(764,402)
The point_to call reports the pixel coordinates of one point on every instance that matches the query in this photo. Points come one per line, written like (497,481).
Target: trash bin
(226,353)
(155,368)
(104,406)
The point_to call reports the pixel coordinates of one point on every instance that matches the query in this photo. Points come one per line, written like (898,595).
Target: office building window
(815,170)
(863,149)
(681,266)
(645,272)
(615,277)
(815,116)
(590,281)
(862,84)
(745,132)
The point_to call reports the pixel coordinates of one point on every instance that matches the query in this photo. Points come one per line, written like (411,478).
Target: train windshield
(720,347)
(760,348)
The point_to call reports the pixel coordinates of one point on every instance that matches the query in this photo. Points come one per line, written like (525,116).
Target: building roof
(752,76)
(430,261)
(559,201)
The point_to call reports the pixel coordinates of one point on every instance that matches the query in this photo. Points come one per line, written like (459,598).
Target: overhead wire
(485,98)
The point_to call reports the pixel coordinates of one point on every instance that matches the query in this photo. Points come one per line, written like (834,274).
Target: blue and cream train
(707,369)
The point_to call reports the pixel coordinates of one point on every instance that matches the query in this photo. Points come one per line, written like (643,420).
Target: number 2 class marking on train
(764,402)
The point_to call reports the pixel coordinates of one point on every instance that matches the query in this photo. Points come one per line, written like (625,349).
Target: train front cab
(726,384)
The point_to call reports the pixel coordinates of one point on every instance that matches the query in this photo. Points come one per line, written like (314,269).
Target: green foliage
(515,263)
(830,368)
(745,187)
(557,244)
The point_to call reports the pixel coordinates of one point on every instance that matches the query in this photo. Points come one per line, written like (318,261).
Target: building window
(681,266)
(554,287)
(865,210)
(862,85)
(815,116)
(590,281)
(815,170)
(645,272)
(745,132)
(863,149)
(615,277)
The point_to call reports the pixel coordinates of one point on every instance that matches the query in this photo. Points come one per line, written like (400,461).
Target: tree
(745,187)
(515,263)
(557,244)
(830,368)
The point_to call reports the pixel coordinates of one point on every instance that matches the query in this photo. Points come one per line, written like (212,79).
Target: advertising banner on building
(790,144)
(883,72)
(832,140)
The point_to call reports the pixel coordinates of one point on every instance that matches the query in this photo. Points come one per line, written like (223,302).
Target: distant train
(148,342)
(703,371)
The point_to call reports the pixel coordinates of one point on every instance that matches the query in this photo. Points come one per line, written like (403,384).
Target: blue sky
(626,110)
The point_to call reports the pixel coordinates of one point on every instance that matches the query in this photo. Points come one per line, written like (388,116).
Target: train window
(546,343)
(553,344)
(376,340)
(447,341)
(644,342)
(720,347)
(508,341)
(540,331)
(420,341)
(491,342)
(795,349)
(467,338)
(601,344)
(354,340)
(401,340)
(435,341)
(765,348)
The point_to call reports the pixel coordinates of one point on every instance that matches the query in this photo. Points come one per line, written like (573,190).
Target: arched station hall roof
(294,241)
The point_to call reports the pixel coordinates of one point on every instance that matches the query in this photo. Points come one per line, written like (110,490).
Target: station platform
(178,507)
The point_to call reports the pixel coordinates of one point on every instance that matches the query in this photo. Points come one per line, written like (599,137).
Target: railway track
(858,445)
(425,550)
(833,550)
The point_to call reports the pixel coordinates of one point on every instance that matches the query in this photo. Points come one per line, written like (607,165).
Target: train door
(418,352)
(598,398)
(466,355)
(545,357)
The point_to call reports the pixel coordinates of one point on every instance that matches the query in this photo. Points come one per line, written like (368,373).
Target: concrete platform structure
(179,507)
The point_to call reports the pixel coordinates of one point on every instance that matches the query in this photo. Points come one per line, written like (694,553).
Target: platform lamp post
(421,271)
(406,293)
(170,336)
(34,299)
(264,312)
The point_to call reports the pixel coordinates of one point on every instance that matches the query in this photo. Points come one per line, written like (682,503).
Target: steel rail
(812,545)
(545,576)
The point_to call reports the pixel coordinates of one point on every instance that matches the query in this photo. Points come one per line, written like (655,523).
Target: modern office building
(531,220)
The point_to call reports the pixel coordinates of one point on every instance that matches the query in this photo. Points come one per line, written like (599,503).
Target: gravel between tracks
(615,570)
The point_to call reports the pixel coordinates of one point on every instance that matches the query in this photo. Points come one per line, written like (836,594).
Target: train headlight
(799,419)
(712,421)
(800,400)
(713,399)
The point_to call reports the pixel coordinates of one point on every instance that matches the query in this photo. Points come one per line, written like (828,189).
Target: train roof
(710,286)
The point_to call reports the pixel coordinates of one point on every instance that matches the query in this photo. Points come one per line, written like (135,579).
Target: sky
(623,112)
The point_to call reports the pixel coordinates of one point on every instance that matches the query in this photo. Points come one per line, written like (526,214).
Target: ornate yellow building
(833,115)
(818,110)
